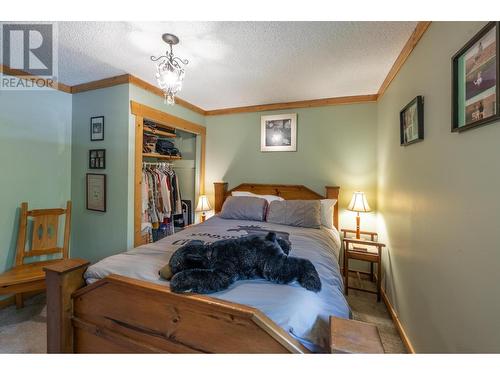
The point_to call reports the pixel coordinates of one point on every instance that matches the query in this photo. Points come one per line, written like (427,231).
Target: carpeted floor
(24,330)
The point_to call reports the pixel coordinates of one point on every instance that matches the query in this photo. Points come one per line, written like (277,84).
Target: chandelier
(169,70)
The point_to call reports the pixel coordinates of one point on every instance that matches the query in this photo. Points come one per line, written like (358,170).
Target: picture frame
(96,192)
(97,128)
(411,122)
(97,159)
(278,132)
(475,80)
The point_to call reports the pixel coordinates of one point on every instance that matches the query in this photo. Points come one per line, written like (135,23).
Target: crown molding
(408,48)
(4,69)
(410,45)
(298,104)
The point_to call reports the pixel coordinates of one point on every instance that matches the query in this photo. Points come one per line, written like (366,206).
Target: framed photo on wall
(475,80)
(97,159)
(97,128)
(278,132)
(96,192)
(411,122)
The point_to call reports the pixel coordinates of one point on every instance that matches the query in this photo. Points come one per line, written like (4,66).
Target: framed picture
(96,192)
(475,80)
(97,159)
(97,128)
(411,122)
(278,132)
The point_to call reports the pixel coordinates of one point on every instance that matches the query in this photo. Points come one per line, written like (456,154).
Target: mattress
(302,313)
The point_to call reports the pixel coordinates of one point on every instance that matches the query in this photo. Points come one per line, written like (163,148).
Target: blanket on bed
(299,312)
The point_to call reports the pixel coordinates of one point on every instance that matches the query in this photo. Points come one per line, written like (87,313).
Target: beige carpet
(24,330)
(365,308)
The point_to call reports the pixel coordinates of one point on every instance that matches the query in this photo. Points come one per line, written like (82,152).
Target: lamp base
(203,217)
(358,222)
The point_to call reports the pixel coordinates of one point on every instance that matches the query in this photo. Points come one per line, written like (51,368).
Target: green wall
(336,145)
(96,235)
(439,208)
(99,234)
(35,158)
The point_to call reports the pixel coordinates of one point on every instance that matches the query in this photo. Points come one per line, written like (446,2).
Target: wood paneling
(297,104)
(404,54)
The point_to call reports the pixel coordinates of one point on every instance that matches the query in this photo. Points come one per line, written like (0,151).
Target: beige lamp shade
(203,204)
(359,203)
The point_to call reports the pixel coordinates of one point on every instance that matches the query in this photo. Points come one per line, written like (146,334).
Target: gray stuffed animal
(208,268)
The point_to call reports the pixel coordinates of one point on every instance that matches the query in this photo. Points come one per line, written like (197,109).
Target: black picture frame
(96,178)
(418,103)
(96,135)
(455,126)
(97,158)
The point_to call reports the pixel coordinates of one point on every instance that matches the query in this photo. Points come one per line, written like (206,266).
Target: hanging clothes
(160,199)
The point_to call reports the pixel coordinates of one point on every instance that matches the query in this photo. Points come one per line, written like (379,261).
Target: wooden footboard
(122,315)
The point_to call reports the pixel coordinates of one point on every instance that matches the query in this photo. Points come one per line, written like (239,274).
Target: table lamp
(358,204)
(203,206)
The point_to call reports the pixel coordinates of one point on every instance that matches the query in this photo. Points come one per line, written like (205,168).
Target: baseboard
(392,313)
(397,323)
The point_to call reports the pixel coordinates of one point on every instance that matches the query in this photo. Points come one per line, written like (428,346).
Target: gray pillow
(244,208)
(297,213)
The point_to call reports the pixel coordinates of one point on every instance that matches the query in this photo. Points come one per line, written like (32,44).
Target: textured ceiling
(235,64)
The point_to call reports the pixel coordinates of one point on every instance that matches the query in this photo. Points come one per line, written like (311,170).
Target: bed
(120,304)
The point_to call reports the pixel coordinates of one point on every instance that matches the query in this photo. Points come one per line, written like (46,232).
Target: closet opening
(169,173)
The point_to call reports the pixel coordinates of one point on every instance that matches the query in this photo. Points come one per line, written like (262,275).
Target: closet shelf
(163,133)
(159,156)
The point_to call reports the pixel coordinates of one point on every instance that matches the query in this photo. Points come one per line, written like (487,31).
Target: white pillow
(326,212)
(268,198)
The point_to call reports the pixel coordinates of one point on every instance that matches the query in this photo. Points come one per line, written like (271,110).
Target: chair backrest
(45,232)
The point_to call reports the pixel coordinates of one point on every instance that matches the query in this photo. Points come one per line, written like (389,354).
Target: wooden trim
(156,91)
(142,112)
(139,125)
(298,104)
(156,115)
(410,45)
(399,327)
(22,74)
(100,84)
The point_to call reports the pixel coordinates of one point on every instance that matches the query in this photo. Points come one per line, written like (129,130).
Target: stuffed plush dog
(208,268)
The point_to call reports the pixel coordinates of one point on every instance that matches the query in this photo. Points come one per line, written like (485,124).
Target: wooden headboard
(284,191)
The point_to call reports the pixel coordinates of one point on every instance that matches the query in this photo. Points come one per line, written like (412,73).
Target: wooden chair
(29,277)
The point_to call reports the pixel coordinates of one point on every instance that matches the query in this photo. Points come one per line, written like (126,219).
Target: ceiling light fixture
(169,71)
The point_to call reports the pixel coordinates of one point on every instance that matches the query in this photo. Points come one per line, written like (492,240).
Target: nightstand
(365,250)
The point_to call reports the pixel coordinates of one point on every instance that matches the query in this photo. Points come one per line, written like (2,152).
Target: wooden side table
(352,251)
